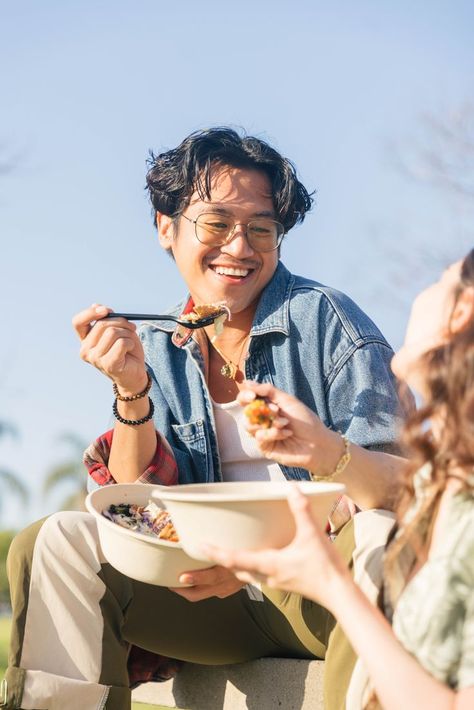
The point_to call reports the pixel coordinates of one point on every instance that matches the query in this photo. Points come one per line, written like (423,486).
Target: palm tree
(8,478)
(70,471)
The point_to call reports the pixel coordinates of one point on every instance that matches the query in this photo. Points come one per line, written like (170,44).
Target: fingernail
(101,309)
(186,579)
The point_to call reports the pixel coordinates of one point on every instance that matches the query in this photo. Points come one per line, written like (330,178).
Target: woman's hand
(113,347)
(297,437)
(309,565)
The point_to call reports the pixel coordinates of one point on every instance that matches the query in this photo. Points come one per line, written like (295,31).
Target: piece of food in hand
(258,412)
(148,520)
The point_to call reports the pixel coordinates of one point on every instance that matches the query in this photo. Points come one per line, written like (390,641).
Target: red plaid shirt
(143,666)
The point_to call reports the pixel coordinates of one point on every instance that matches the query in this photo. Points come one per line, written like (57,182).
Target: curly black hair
(174,175)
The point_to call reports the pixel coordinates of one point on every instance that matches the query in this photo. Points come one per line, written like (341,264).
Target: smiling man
(223,203)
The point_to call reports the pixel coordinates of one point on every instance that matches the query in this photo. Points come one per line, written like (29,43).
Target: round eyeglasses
(215,230)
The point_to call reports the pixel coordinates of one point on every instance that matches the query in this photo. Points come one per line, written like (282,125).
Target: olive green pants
(75,617)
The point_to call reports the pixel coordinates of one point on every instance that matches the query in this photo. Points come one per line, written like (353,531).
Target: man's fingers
(103,340)
(82,322)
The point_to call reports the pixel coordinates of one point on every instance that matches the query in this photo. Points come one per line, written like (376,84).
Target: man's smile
(232,272)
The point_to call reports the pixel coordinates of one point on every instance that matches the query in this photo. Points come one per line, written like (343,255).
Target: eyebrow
(223,211)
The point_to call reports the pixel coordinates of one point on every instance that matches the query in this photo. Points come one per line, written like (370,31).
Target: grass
(4,636)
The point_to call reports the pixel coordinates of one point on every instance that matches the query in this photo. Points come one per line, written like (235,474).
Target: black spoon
(191,324)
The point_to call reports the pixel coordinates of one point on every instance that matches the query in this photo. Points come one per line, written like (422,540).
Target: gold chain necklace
(229,369)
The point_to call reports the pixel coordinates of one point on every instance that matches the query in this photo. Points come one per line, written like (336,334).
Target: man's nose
(238,244)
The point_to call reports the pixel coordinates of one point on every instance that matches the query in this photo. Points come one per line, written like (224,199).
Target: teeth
(228,271)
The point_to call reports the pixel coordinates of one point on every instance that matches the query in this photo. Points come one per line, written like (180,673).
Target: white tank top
(241,459)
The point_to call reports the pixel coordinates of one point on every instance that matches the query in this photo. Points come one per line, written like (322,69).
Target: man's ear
(463,312)
(165,227)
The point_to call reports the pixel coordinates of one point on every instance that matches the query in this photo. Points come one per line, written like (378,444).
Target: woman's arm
(312,567)
(398,679)
(299,438)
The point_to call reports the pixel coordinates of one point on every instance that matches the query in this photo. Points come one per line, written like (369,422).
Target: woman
(426,659)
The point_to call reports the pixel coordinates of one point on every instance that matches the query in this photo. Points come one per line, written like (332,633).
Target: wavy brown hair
(449,380)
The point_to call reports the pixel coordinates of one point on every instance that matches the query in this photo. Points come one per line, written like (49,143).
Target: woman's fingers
(242,561)
(301,510)
(266,436)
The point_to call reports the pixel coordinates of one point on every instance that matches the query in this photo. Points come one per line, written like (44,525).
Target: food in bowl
(141,556)
(258,412)
(148,519)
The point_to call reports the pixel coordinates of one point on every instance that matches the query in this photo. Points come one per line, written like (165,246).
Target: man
(223,204)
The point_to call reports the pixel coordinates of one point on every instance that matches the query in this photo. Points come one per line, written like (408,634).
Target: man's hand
(212,582)
(113,347)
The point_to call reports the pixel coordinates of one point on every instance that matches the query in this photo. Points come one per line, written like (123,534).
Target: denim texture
(307,339)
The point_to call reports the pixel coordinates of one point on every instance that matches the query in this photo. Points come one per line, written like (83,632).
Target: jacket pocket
(192,452)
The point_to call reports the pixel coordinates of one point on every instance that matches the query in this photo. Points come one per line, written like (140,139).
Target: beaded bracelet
(341,464)
(133,422)
(133,397)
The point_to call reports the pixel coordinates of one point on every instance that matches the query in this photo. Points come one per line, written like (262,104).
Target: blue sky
(88,88)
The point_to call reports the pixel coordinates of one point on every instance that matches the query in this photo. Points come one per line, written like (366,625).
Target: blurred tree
(9,479)
(443,155)
(415,246)
(69,472)
(6,536)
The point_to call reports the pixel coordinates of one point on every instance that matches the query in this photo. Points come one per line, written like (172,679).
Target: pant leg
(58,629)
(74,618)
(362,543)
(210,632)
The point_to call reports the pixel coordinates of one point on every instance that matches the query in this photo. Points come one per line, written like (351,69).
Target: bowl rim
(160,542)
(195,492)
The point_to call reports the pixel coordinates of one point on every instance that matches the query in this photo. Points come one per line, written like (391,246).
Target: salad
(148,520)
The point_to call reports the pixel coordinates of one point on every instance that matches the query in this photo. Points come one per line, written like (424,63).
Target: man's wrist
(133,393)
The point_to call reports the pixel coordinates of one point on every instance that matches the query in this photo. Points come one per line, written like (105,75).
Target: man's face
(233,272)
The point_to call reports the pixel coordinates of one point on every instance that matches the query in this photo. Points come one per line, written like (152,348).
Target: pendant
(229,370)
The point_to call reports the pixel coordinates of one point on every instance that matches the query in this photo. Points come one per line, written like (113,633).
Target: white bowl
(251,515)
(139,556)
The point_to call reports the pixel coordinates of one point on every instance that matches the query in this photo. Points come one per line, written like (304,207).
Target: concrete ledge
(265,684)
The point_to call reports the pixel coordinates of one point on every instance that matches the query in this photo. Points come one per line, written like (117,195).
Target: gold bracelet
(341,464)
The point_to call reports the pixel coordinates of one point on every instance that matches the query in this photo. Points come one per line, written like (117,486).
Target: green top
(434,615)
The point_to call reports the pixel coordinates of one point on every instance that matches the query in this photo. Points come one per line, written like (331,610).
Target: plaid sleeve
(162,468)
(146,666)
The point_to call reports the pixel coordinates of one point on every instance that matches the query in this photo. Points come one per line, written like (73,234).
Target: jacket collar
(272,313)
(273,310)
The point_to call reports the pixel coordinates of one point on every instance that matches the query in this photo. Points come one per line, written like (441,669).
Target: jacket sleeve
(365,401)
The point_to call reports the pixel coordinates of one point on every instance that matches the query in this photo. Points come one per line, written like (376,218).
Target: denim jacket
(307,339)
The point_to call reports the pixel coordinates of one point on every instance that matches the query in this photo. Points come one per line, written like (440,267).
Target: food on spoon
(258,412)
(219,310)
(148,520)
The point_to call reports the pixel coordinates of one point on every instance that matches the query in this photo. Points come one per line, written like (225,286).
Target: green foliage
(8,479)
(6,536)
(4,636)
